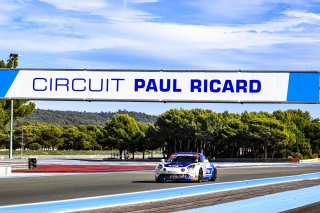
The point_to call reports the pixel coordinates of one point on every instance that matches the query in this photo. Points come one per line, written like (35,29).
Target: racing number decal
(208,171)
(208,168)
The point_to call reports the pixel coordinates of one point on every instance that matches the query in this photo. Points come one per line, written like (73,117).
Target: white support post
(11,131)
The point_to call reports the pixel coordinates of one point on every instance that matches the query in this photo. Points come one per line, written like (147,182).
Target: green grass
(73,152)
(57,152)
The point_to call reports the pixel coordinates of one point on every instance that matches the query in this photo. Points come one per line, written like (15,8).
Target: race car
(186,166)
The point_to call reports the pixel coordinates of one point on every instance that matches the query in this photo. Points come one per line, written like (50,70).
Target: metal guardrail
(14,163)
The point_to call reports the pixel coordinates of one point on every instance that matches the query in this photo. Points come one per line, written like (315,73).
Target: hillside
(81,118)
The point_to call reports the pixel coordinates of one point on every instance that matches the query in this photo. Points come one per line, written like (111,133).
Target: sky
(163,34)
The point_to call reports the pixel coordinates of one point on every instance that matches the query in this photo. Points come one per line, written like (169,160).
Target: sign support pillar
(11,132)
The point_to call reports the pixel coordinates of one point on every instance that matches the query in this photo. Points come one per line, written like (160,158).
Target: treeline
(55,137)
(221,135)
(122,132)
(81,118)
(248,135)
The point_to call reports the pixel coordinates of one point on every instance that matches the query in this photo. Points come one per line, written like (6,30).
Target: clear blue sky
(163,34)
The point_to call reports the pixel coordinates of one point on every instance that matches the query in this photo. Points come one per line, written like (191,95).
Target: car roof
(196,153)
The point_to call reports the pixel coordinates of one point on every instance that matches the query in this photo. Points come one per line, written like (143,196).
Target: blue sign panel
(303,87)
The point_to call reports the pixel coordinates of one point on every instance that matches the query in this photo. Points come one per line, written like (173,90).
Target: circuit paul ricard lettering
(199,85)
(42,84)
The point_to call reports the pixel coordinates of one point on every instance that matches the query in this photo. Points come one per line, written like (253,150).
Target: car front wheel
(200,176)
(214,175)
(160,180)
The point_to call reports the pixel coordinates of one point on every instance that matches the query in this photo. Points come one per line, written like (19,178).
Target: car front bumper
(180,177)
(175,175)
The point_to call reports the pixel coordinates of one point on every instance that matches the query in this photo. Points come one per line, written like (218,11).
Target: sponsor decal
(187,154)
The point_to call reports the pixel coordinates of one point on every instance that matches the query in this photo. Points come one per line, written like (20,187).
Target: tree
(175,130)
(312,131)
(269,131)
(208,126)
(74,139)
(233,142)
(96,133)
(154,140)
(140,142)
(2,64)
(11,62)
(187,130)
(35,146)
(51,136)
(121,131)
(69,136)
(21,108)
(304,132)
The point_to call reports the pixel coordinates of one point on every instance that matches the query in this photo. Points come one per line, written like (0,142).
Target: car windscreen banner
(160,86)
(184,154)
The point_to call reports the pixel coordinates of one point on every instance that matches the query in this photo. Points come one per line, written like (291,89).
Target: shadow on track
(153,181)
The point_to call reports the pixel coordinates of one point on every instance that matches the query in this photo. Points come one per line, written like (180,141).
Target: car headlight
(191,167)
(160,166)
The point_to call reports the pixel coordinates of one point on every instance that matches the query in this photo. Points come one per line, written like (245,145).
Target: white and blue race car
(186,166)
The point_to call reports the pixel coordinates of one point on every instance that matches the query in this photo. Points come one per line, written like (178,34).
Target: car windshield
(184,159)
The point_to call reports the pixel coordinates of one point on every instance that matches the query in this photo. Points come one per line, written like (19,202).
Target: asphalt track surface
(50,188)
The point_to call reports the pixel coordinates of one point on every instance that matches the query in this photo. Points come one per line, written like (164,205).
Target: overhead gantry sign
(161,86)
